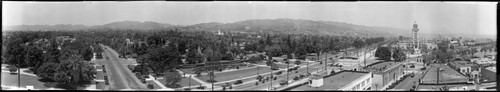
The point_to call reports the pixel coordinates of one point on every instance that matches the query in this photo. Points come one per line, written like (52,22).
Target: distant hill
(272,26)
(124,25)
(294,26)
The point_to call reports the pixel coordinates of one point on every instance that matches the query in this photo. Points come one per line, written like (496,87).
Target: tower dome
(415,27)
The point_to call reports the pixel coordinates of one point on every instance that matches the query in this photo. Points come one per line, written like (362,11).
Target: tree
(358,43)
(194,57)
(270,62)
(163,58)
(383,53)
(198,71)
(212,77)
(427,58)
(13,69)
(444,56)
(47,70)
(297,62)
(273,51)
(34,57)
(87,53)
(398,55)
(274,66)
(73,71)
(172,77)
(212,55)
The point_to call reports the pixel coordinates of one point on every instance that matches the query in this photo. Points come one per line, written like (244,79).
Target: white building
(343,80)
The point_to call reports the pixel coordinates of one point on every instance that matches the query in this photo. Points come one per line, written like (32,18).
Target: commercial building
(385,73)
(466,68)
(415,43)
(343,80)
(443,74)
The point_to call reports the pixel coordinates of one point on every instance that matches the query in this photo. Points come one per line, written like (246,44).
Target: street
(120,77)
(408,82)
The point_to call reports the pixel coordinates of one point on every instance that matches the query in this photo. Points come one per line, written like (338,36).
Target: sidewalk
(151,78)
(22,71)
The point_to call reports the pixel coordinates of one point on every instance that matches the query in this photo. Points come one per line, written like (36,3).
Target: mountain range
(272,26)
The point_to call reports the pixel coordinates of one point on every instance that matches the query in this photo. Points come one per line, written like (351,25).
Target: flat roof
(462,63)
(379,66)
(334,82)
(100,75)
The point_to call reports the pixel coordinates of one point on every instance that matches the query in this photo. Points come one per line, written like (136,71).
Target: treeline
(161,50)
(52,55)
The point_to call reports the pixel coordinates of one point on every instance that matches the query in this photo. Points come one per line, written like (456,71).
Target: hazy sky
(477,18)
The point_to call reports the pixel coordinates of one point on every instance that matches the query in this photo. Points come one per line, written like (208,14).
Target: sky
(432,17)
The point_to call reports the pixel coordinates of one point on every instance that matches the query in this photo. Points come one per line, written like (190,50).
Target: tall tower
(415,41)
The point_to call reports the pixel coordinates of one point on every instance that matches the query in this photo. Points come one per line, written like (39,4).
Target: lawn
(236,74)
(260,62)
(190,70)
(11,80)
(184,82)
(284,66)
(156,86)
(99,85)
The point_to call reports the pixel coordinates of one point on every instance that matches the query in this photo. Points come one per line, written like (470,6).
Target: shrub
(13,69)
(150,86)
(256,83)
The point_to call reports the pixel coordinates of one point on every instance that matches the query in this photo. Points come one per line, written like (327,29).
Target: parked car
(412,66)
(423,68)
(283,82)
(238,82)
(296,78)
(302,76)
(278,73)
(412,75)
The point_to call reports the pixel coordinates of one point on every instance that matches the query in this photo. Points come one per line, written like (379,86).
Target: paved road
(407,83)
(119,75)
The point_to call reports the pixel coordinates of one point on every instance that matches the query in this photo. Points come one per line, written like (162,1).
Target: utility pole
(272,77)
(307,67)
(437,82)
(287,70)
(189,81)
(213,80)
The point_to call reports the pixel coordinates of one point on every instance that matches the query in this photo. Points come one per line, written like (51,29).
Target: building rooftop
(462,63)
(446,75)
(382,66)
(334,82)
(100,75)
